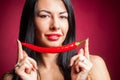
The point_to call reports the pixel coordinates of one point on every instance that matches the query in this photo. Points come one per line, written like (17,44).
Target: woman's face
(51,22)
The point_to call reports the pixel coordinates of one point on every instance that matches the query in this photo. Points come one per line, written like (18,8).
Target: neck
(48,60)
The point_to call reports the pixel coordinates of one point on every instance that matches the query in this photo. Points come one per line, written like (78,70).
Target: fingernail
(87,39)
(18,40)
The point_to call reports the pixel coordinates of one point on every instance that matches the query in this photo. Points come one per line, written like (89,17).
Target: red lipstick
(53,37)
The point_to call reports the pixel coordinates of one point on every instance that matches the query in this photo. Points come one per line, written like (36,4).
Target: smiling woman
(51,23)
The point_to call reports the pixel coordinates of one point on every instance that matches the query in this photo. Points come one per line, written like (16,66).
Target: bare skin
(54,20)
(97,72)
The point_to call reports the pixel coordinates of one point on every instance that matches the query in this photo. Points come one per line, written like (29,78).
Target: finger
(82,63)
(28,69)
(33,62)
(77,68)
(23,69)
(24,54)
(20,51)
(27,63)
(30,61)
(80,59)
(81,52)
(86,49)
(85,67)
(73,59)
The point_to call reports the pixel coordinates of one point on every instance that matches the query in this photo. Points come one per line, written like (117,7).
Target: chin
(54,44)
(50,43)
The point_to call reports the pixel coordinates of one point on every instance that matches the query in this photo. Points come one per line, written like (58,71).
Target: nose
(55,24)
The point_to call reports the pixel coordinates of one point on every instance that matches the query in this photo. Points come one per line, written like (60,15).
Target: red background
(97,19)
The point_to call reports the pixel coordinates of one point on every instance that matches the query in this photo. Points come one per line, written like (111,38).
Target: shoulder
(95,59)
(8,76)
(98,62)
(99,70)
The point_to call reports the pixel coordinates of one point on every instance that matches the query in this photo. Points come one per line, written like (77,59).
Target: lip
(53,37)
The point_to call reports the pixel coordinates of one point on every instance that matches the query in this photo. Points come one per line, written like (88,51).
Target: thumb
(81,52)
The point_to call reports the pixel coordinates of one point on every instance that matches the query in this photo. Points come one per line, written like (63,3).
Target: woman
(50,23)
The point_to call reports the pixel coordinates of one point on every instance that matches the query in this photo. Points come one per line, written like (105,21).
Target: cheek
(66,30)
(66,27)
(40,27)
(38,34)
(38,30)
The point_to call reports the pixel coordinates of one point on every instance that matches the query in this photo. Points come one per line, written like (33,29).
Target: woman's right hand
(26,67)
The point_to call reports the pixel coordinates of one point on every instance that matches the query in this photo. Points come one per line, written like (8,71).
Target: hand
(80,64)
(26,67)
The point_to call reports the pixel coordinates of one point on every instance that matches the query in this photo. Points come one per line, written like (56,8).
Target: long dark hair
(26,34)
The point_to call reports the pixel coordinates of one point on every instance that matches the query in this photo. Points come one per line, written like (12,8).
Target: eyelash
(43,16)
(64,17)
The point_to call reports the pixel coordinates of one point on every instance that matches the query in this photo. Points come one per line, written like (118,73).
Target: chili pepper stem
(80,42)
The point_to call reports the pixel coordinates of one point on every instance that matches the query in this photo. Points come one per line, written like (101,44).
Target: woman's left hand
(81,64)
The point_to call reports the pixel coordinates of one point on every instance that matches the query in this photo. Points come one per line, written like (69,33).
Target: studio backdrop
(98,20)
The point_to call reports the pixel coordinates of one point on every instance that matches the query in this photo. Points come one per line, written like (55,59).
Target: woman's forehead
(50,5)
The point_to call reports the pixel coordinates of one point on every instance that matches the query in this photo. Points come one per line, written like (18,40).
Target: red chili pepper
(59,49)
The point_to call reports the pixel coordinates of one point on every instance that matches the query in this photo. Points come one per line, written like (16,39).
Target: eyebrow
(50,12)
(44,11)
(63,12)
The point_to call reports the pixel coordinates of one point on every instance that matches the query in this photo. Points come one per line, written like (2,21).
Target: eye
(43,16)
(64,17)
